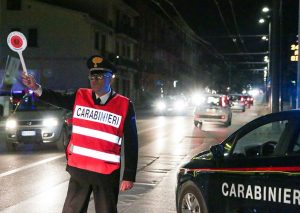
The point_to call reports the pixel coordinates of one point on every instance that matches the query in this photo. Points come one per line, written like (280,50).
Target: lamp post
(275,60)
(274,53)
(267,71)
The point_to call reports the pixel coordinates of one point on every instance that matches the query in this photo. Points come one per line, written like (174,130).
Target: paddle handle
(23,62)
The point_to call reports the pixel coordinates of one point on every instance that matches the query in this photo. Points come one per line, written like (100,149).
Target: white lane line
(145,184)
(30,165)
(59,156)
(146,130)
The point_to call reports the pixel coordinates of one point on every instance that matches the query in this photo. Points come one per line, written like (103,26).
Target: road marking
(145,184)
(56,157)
(59,156)
(30,165)
(155,127)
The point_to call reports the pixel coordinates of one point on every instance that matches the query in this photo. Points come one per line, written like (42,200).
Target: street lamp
(267,58)
(261,20)
(265,10)
(274,53)
(265,38)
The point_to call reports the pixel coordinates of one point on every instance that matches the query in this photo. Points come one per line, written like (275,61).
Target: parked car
(237,102)
(256,169)
(37,122)
(213,108)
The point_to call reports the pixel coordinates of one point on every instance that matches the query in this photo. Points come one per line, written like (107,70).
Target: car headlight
(11,124)
(179,105)
(161,105)
(198,99)
(50,122)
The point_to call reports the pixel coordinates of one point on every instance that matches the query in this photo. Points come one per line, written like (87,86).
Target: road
(34,180)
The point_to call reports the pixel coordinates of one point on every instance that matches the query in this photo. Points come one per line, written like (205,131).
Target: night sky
(216,20)
(231,35)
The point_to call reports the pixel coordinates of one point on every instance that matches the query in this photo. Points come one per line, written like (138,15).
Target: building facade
(154,53)
(168,55)
(61,36)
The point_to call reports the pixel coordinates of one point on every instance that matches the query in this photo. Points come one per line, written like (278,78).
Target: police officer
(102,121)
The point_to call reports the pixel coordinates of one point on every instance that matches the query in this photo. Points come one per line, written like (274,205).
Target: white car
(237,102)
(213,108)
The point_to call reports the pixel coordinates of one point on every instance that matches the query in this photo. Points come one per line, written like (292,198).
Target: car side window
(260,142)
(295,149)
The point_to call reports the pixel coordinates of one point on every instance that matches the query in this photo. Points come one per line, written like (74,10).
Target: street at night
(149,106)
(34,179)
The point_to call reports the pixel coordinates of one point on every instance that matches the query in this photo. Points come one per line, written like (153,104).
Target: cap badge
(97,60)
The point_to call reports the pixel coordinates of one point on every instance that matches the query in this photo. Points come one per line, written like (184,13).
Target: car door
(261,171)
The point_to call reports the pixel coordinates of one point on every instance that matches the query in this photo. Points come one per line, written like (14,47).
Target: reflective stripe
(96,134)
(95,154)
(248,169)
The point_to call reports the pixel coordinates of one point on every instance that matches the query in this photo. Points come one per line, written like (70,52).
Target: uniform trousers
(105,191)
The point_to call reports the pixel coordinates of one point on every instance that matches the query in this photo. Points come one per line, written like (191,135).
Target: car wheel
(11,147)
(198,124)
(63,140)
(228,122)
(191,199)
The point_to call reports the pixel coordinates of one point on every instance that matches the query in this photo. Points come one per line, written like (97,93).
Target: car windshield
(172,98)
(213,100)
(169,99)
(29,102)
(235,98)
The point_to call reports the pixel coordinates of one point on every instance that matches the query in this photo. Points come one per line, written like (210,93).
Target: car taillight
(224,101)
(69,121)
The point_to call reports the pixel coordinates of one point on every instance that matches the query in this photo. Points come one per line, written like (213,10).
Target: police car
(256,169)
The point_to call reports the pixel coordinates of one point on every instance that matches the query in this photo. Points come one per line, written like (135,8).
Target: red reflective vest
(97,133)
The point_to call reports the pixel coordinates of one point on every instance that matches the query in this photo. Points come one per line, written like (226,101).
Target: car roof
(216,95)
(236,94)
(283,114)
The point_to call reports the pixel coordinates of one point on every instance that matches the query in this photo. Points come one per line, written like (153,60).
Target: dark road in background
(34,177)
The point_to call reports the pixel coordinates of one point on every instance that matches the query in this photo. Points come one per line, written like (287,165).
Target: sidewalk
(263,109)
(160,196)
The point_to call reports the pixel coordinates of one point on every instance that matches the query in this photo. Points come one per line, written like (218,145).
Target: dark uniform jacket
(130,136)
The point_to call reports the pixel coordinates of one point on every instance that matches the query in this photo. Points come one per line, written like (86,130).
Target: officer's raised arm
(29,81)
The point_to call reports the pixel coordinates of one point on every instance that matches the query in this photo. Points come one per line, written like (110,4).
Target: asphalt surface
(154,190)
(160,197)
